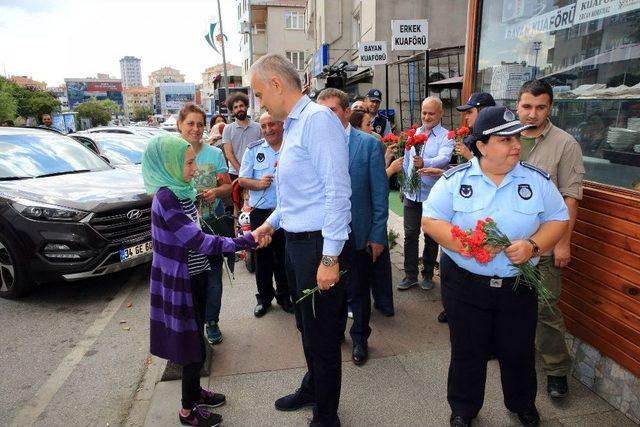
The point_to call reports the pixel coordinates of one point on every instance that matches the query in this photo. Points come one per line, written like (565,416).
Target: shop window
(593,67)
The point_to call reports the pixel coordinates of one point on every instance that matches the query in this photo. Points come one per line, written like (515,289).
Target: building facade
(277,26)
(171,97)
(212,79)
(138,97)
(60,93)
(338,26)
(81,90)
(130,72)
(589,52)
(28,83)
(165,75)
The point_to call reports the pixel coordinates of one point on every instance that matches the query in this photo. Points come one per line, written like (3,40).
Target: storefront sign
(588,10)
(409,34)
(320,59)
(175,101)
(373,53)
(558,19)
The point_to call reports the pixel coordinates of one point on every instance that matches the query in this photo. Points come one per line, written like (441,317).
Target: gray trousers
(412,230)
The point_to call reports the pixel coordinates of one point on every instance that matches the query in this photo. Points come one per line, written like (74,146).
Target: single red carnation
(451,134)
(463,131)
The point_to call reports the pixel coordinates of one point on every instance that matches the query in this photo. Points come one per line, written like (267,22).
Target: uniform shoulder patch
(448,174)
(255,143)
(535,168)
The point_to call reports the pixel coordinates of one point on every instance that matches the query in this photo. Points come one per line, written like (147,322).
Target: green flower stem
(528,274)
(312,293)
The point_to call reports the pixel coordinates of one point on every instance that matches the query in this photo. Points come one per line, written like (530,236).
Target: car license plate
(135,251)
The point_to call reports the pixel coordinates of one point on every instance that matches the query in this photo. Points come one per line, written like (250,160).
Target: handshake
(262,235)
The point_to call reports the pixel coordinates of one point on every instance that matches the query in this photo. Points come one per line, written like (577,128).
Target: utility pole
(536,48)
(225,82)
(246,27)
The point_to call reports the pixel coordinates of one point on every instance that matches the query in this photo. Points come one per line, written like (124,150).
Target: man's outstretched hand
(262,235)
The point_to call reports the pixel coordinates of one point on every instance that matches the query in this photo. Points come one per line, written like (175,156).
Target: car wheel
(250,261)
(14,280)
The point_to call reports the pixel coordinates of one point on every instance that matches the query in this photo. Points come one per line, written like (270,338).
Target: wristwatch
(329,261)
(536,248)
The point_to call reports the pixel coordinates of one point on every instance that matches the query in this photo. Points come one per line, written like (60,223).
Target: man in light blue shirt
(313,192)
(434,153)
(257,171)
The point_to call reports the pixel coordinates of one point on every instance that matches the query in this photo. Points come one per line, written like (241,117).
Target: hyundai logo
(134,214)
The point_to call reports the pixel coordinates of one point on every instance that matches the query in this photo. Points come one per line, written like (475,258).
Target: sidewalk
(402,384)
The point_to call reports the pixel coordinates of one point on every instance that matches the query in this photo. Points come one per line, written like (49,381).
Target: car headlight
(44,212)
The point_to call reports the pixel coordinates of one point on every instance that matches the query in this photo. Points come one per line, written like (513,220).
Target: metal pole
(251,103)
(400,95)
(225,82)
(386,87)
(426,72)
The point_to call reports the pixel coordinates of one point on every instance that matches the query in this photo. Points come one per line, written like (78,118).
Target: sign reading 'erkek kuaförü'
(411,34)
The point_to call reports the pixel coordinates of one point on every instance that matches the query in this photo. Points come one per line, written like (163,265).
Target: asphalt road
(74,354)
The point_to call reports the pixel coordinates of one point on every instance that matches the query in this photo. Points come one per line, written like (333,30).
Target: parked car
(130,130)
(121,150)
(65,213)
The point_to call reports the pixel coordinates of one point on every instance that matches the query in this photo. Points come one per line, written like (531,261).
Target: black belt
(304,235)
(491,281)
(259,210)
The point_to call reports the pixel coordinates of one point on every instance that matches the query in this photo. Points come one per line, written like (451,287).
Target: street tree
(27,102)
(40,103)
(140,114)
(8,106)
(99,112)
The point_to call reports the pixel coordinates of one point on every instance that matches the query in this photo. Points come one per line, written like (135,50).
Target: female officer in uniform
(485,311)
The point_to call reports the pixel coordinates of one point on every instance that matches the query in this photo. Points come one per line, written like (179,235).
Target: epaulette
(255,143)
(448,174)
(535,168)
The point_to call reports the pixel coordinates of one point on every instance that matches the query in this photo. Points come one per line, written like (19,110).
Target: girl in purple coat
(178,271)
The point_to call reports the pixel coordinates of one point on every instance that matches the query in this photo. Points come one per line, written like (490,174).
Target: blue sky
(50,40)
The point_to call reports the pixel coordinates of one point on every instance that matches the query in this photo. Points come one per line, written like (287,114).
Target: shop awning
(364,76)
(450,83)
(621,53)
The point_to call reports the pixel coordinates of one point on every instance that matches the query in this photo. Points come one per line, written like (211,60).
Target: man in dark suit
(369,215)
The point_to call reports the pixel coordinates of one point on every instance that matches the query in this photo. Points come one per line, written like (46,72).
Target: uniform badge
(260,157)
(466,191)
(524,191)
(378,129)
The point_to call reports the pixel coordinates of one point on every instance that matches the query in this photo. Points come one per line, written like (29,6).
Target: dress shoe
(295,401)
(442,317)
(287,306)
(360,354)
(529,418)
(261,309)
(386,312)
(459,421)
(557,387)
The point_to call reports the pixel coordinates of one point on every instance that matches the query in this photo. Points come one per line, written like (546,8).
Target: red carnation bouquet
(476,243)
(459,135)
(407,139)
